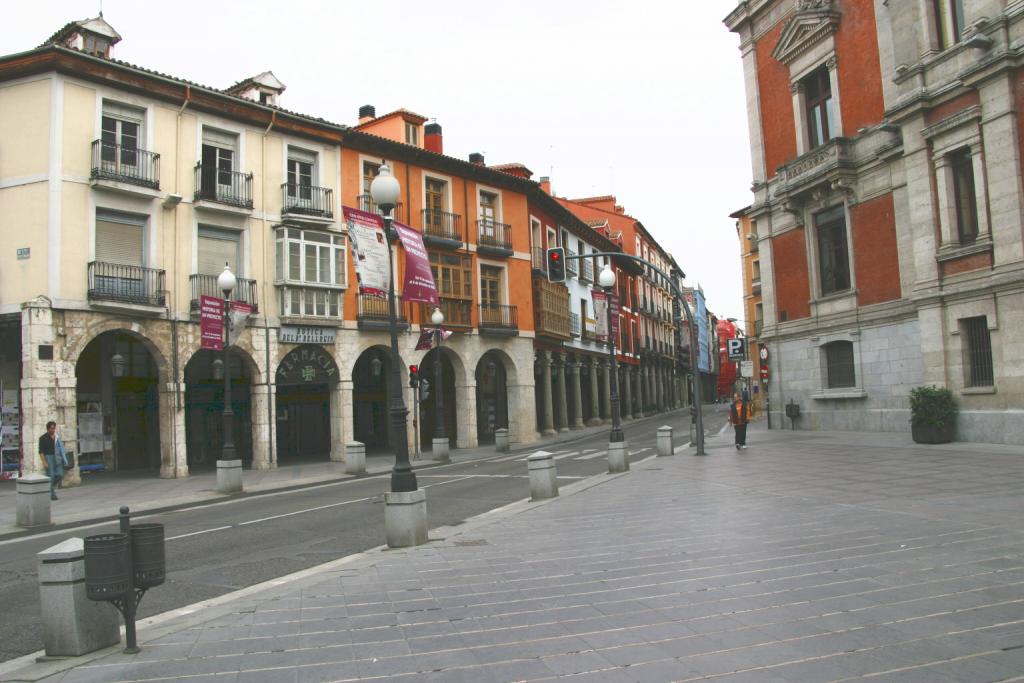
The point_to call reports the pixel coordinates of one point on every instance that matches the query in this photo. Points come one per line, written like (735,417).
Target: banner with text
(419,279)
(240,313)
(211,322)
(369,251)
(703,350)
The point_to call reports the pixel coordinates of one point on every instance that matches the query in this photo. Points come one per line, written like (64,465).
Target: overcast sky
(641,99)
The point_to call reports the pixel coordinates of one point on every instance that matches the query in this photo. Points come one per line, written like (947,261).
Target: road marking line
(599,454)
(567,455)
(299,512)
(197,533)
(638,451)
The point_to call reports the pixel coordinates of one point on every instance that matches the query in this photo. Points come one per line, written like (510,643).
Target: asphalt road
(220,547)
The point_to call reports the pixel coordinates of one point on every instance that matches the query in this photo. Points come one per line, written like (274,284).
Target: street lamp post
(385,190)
(440,448)
(607,282)
(229,475)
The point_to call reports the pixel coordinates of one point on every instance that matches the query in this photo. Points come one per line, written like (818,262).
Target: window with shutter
(215,248)
(120,238)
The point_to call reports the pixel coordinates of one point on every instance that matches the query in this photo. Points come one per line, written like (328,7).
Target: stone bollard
(543,475)
(501,443)
(33,500)
(618,456)
(665,440)
(73,625)
(355,457)
(229,476)
(405,518)
(440,452)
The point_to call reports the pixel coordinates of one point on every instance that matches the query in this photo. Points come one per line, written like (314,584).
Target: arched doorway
(118,404)
(428,419)
(491,397)
(370,398)
(306,376)
(204,408)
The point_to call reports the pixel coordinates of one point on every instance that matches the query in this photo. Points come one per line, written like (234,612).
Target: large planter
(931,433)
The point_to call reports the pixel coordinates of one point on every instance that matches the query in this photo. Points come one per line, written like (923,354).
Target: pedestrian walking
(739,416)
(54,457)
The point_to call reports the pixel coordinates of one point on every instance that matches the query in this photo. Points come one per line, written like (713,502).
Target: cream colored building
(122,194)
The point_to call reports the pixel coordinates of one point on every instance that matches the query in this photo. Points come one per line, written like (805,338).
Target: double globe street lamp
(385,190)
(607,281)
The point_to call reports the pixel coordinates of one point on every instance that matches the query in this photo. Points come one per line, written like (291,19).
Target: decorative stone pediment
(813,21)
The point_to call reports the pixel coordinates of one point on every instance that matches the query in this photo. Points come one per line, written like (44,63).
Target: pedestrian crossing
(585,454)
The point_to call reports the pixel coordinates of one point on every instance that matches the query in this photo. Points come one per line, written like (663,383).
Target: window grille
(979,352)
(839,364)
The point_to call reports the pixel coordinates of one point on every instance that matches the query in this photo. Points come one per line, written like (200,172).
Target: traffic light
(414,376)
(424,389)
(556,264)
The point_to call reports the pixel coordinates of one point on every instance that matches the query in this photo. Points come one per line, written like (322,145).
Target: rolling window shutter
(219,138)
(118,242)
(214,250)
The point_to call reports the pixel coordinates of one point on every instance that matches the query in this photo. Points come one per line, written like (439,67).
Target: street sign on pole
(736,348)
(747,368)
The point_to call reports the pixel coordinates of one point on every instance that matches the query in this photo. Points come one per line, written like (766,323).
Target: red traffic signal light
(414,375)
(414,369)
(556,264)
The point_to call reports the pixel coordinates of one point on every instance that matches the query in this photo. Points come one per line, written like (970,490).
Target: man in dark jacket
(739,416)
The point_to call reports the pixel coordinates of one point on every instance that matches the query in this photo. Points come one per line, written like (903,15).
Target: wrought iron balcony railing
(574,324)
(307,200)
(572,265)
(457,312)
(206,285)
(125,164)
(224,187)
(366,203)
(375,308)
(491,233)
(126,284)
(442,224)
(498,316)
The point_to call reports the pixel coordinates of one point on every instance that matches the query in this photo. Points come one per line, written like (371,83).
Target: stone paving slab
(827,557)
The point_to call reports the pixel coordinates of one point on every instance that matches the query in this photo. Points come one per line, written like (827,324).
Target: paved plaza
(810,556)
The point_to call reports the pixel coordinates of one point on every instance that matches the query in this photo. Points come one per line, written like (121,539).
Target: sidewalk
(810,556)
(101,495)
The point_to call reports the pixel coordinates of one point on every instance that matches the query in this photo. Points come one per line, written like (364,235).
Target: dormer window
(98,46)
(412,134)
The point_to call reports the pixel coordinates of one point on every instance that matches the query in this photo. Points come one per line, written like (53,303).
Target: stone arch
(453,372)
(308,408)
(204,406)
(371,394)
(492,393)
(78,345)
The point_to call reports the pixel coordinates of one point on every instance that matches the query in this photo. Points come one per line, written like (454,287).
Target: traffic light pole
(689,316)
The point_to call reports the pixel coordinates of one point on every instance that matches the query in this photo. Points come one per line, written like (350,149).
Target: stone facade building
(886,141)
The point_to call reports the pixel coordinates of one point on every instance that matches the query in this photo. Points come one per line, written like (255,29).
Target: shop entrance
(491,397)
(204,408)
(118,405)
(370,398)
(305,379)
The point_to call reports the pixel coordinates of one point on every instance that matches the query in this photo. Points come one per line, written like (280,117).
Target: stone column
(627,392)
(465,413)
(577,396)
(656,377)
(652,399)
(562,416)
(547,422)
(263,451)
(337,421)
(173,450)
(595,406)
(39,378)
(641,394)
(606,391)
(345,387)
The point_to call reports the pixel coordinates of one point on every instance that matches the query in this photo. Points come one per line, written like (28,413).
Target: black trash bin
(148,555)
(108,566)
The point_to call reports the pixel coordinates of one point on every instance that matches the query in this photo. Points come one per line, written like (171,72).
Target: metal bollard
(355,457)
(33,500)
(665,440)
(543,475)
(73,625)
(501,443)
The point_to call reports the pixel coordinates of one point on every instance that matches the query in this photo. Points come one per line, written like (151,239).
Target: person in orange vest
(739,416)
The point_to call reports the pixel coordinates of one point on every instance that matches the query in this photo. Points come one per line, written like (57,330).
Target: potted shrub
(932,414)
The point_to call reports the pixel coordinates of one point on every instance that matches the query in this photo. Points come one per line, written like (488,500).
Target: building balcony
(374,314)
(128,165)
(755,286)
(457,312)
(493,238)
(367,204)
(575,328)
(442,228)
(206,285)
(307,201)
(126,284)
(551,309)
(498,319)
(230,188)
(587,271)
(572,264)
(539,261)
(589,330)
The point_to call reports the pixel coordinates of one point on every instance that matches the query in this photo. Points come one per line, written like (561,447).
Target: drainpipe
(171,314)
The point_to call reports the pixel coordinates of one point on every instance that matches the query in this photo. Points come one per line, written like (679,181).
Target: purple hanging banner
(211,322)
(419,280)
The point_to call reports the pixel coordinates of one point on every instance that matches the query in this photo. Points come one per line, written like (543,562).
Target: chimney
(367,113)
(476,158)
(545,184)
(432,139)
